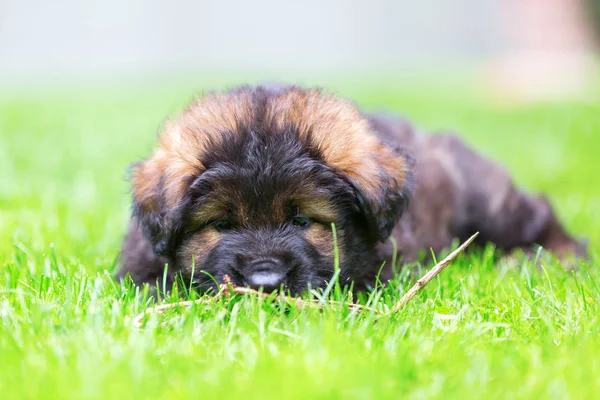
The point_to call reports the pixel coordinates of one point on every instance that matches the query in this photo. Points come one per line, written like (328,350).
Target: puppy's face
(248,184)
(262,211)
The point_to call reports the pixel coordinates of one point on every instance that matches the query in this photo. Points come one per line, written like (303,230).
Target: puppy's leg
(501,212)
(139,261)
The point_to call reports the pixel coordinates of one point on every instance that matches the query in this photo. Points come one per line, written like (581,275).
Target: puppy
(256,183)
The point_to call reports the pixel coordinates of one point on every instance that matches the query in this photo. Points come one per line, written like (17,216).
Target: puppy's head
(248,184)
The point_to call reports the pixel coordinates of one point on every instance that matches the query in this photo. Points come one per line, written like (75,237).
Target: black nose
(267,275)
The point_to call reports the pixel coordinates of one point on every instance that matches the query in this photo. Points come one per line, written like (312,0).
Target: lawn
(477,331)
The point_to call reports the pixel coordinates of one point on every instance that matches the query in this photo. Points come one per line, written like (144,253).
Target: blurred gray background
(71,37)
(522,48)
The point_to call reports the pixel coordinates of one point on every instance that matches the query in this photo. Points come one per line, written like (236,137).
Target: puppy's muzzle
(267,274)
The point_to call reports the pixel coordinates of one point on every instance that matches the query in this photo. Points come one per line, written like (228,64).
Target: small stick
(228,288)
(432,273)
(137,321)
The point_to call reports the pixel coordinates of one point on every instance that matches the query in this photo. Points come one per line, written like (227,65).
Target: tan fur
(144,183)
(341,133)
(184,140)
(199,245)
(334,125)
(322,238)
(209,212)
(318,209)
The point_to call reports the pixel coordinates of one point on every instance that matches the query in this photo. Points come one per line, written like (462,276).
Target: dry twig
(228,288)
(432,273)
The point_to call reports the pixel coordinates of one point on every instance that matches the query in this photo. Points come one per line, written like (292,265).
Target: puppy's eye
(222,225)
(301,221)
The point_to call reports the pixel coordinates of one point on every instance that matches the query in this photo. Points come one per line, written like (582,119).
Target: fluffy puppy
(248,183)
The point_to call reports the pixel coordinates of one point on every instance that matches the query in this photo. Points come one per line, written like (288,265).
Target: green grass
(477,331)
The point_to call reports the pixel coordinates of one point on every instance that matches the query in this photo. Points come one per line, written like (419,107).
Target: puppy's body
(247,184)
(459,192)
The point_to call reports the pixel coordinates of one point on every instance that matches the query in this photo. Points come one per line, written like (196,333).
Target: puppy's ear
(384,192)
(149,206)
(159,202)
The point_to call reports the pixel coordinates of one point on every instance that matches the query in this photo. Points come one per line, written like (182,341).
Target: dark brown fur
(459,192)
(456,191)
